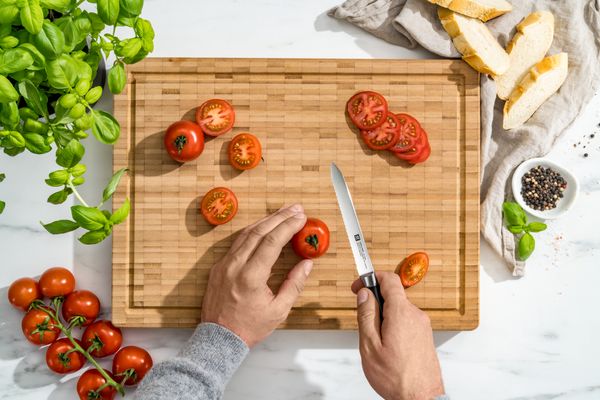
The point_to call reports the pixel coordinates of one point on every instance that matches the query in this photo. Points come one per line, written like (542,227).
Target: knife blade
(355,235)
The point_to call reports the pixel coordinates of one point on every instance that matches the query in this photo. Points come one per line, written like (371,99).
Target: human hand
(237,296)
(398,355)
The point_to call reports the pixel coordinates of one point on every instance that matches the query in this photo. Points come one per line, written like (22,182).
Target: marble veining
(538,336)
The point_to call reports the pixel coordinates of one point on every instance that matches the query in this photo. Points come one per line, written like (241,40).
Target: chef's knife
(355,235)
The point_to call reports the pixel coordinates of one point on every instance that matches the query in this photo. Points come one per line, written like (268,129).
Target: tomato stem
(67,332)
(313,240)
(180,142)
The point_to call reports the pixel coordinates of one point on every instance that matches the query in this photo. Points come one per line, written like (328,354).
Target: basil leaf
(58,5)
(514,214)
(108,10)
(78,170)
(59,197)
(105,127)
(124,20)
(9,114)
(536,226)
(2,205)
(93,237)
(128,48)
(39,61)
(62,72)
(14,60)
(97,24)
(31,15)
(84,25)
(50,41)
(144,30)
(84,71)
(70,155)
(7,91)
(16,139)
(62,135)
(89,218)
(72,35)
(2,177)
(131,8)
(60,226)
(35,99)
(14,151)
(122,213)
(8,13)
(117,78)
(516,229)
(526,246)
(78,181)
(35,143)
(112,185)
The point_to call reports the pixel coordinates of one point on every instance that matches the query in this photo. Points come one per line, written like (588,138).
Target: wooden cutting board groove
(163,253)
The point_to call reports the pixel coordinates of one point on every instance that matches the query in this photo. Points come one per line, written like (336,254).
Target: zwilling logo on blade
(357,238)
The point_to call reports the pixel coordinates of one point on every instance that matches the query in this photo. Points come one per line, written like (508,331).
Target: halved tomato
(245,151)
(215,117)
(410,131)
(413,268)
(367,110)
(219,206)
(384,136)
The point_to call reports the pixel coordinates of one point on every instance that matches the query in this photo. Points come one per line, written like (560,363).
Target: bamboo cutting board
(163,253)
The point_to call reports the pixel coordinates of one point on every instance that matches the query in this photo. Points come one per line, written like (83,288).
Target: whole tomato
(81,303)
(23,292)
(39,328)
(184,141)
(62,358)
(313,239)
(57,281)
(132,362)
(102,338)
(89,383)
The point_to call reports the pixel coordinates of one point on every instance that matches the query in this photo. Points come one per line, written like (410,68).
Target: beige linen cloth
(410,23)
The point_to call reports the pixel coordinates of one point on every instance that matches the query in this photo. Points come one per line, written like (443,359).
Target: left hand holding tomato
(237,296)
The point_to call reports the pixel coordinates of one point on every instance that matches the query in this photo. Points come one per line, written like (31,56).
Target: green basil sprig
(516,221)
(98,223)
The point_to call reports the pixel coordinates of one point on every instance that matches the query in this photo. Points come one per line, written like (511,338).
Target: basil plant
(50,54)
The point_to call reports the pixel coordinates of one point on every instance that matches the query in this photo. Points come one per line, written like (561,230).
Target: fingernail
(296,207)
(300,215)
(308,264)
(362,296)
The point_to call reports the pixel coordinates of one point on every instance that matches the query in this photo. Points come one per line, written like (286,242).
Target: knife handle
(377,293)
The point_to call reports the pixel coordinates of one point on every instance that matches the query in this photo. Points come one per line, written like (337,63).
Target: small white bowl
(563,204)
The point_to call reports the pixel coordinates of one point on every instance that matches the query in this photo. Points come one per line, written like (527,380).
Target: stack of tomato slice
(381,129)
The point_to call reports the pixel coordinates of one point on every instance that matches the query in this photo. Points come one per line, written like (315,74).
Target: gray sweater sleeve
(200,371)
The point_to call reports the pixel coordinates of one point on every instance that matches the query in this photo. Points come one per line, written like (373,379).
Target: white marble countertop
(538,336)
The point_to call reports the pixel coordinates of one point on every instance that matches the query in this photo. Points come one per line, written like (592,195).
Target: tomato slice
(413,268)
(367,110)
(410,131)
(422,156)
(219,206)
(215,117)
(385,136)
(413,152)
(245,151)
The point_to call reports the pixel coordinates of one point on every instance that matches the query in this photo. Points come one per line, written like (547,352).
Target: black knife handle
(377,293)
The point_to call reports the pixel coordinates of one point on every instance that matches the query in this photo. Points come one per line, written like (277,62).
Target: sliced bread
(480,9)
(475,42)
(541,82)
(529,45)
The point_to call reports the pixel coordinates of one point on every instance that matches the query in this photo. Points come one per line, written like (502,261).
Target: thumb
(368,318)
(293,285)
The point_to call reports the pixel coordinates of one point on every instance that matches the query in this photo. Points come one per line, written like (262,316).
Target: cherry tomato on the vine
(132,362)
(23,292)
(39,328)
(83,304)
(62,357)
(57,281)
(89,383)
(102,338)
